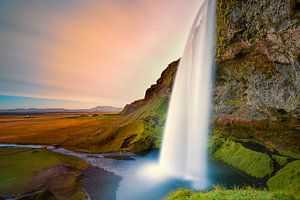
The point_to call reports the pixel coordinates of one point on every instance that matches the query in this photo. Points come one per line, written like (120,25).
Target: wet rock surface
(100,184)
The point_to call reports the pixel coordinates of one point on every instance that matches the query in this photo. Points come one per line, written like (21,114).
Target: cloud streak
(105,51)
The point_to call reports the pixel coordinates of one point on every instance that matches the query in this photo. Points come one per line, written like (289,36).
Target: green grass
(145,126)
(287,179)
(109,116)
(152,116)
(281,160)
(134,128)
(17,169)
(155,120)
(279,136)
(235,102)
(251,162)
(25,170)
(295,155)
(232,194)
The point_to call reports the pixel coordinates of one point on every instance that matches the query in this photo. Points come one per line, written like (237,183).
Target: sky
(80,54)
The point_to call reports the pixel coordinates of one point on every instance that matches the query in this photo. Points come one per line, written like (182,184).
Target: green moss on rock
(281,160)
(223,11)
(287,179)
(235,102)
(251,162)
(275,136)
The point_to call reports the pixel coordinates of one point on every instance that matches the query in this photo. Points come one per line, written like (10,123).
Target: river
(139,176)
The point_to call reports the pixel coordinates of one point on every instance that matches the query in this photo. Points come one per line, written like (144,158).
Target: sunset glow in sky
(88,53)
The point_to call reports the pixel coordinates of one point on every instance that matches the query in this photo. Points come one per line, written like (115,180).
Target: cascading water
(184,146)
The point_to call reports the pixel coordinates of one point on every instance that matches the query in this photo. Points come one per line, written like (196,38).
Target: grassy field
(68,130)
(49,129)
(234,194)
(27,170)
(139,131)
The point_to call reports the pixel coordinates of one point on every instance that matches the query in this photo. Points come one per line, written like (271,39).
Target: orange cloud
(108,51)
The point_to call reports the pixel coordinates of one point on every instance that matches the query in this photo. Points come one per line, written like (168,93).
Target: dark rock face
(258,70)
(100,184)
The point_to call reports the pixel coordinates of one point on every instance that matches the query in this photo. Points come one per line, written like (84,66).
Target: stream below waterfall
(139,176)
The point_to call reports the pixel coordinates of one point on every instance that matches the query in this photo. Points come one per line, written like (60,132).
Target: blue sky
(10,102)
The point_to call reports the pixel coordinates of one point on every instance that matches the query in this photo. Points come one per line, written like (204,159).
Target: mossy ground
(287,179)
(281,172)
(232,194)
(276,136)
(281,160)
(24,170)
(253,163)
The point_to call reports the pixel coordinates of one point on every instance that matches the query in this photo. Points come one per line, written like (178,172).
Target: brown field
(74,131)
(69,129)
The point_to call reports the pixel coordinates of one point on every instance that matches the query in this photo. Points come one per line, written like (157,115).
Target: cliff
(258,73)
(161,89)
(258,70)
(257,89)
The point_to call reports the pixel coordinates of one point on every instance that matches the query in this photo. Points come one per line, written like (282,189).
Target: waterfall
(184,146)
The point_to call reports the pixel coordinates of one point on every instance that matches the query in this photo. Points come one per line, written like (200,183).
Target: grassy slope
(253,163)
(153,116)
(142,130)
(23,170)
(278,136)
(281,160)
(234,194)
(287,179)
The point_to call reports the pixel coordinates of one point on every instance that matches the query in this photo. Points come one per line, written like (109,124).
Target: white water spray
(184,147)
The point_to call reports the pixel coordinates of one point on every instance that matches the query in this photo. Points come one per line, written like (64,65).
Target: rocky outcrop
(258,73)
(161,89)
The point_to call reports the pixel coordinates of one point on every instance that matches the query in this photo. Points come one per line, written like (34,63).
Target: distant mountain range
(102,109)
